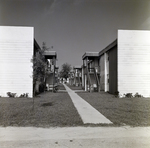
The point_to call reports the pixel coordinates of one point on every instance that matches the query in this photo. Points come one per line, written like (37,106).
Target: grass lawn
(74,87)
(61,87)
(121,111)
(57,109)
(50,109)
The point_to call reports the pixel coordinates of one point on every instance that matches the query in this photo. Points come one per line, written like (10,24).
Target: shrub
(11,95)
(128,95)
(117,94)
(137,95)
(41,87)
(25,95)
(40,69)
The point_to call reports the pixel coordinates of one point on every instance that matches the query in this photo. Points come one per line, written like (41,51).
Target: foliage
(127,95)
(55,89)
(14,95)
(65,71)
(117,94)
(24,95)
(11,95)
(39,66)
(137,95)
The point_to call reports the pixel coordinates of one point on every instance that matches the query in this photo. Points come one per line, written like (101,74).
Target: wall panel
(16,51)
(113,70)
(134,62)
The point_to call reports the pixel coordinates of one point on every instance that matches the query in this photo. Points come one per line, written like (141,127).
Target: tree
(39,68)
(65,70)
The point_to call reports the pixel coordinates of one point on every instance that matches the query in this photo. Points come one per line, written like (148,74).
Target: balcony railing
(92,70)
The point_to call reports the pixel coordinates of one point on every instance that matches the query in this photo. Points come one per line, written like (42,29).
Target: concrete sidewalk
(74,137)
(88,113)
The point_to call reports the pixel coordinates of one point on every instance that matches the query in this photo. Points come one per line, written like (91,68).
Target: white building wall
(16,51)
(134,62)
(106,72)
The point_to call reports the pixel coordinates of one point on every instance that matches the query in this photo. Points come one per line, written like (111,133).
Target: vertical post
(54,62)
(87,75)
(99,70)
(82,72)
(105,72)
(75,81)
(85,82)
(79,74)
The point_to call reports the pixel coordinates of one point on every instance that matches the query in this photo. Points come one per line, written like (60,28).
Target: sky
(73,27)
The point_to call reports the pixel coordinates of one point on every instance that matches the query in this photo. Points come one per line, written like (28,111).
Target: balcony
(92,70)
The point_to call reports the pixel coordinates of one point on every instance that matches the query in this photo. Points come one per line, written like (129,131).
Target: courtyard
(57,110)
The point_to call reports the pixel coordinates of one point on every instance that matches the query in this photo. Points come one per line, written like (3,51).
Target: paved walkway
(87,113)
(75,137)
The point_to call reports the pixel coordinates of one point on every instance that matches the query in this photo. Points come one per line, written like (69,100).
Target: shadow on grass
(47,104)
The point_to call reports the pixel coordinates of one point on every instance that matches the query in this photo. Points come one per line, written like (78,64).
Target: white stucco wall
(16,51)
(134,62)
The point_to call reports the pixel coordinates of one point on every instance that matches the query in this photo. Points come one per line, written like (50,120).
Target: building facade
(123,66)
(16,52)
(77,76)
(52,77)
(90,70)
(133,62)
(17,48)
(108,68)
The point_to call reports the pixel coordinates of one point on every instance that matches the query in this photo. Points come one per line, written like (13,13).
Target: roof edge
(114,43)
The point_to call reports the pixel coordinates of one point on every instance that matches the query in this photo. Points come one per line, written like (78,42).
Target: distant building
(52,78)
(77,79)
(71,77)
(90,75)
